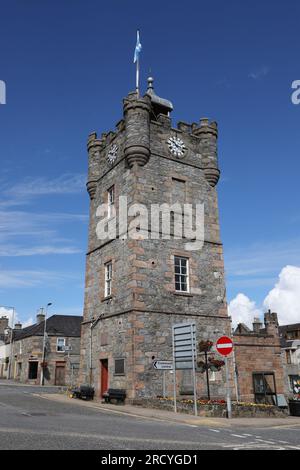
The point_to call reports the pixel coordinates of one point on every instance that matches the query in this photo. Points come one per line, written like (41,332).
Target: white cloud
(22,193)
(259,73)
(261,259)
(31,278)
(28,322)
(20,223)
(39,230)
(13,250)
(7,312)
(243,310)
(284,298)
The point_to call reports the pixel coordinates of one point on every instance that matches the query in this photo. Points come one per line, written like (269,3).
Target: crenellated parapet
(137,129)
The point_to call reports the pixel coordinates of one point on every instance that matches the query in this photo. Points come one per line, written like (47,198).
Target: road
(28,421)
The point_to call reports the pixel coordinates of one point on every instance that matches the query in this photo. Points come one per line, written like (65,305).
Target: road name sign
(163,365)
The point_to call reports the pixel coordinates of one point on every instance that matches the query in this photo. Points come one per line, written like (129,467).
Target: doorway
(104,376)
(60,372)
(33,370)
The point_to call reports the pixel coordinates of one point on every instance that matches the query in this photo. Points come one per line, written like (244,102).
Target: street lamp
(44,345)
(11,338)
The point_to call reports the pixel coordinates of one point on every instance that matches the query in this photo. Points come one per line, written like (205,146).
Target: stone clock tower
(143,280)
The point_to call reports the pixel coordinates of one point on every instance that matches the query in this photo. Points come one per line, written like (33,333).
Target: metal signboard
(184,354)
(184,345)
(163,365)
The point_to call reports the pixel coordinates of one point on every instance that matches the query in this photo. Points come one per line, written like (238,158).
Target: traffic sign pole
(229,414)
(224,347)
(194,373)
(174,374)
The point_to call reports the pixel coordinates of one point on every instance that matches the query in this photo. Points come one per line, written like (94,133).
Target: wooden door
(104,376)
(60,372)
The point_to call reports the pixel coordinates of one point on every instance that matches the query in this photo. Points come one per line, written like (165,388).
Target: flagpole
(137,77)
(138,72)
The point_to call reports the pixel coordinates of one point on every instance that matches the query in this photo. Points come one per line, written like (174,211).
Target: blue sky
(68,64)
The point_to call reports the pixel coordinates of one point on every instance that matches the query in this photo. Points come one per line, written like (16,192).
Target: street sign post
(164,366)
(184,354)
(224,347)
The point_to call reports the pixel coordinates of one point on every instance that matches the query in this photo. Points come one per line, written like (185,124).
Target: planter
(294,406)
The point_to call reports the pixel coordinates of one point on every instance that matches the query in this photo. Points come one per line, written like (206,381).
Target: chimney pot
(40,317)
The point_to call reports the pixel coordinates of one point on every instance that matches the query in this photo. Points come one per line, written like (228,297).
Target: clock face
(176,146)
(112,153)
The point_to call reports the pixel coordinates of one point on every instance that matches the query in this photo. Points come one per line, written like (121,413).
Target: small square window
(119,366)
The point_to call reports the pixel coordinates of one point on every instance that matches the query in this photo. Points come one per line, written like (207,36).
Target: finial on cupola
(150,83)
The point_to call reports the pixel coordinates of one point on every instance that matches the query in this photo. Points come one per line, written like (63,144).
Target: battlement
(201,129)
(146,127)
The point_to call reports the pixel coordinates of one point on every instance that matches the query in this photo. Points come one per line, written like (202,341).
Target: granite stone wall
(135,322)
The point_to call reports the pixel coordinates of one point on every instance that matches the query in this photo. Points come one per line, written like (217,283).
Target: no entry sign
(224,345)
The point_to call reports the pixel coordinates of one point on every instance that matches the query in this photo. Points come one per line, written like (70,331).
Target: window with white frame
(108,279)
(181,266)
(60,344)
(110,201)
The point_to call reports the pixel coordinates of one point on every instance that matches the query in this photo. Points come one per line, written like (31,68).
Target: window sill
(183,294)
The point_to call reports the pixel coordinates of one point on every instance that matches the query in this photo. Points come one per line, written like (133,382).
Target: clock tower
(145,273)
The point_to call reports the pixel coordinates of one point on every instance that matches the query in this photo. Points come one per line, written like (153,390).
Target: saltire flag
(138,47)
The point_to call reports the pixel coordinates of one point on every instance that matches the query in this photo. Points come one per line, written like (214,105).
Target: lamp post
(44,345)
(11,338)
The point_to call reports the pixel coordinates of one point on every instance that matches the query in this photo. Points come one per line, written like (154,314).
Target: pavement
(33,417)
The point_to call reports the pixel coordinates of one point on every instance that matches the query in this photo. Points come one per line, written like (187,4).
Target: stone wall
(139,338)
(135,322)
(30,349)
(215,410)
(258,351)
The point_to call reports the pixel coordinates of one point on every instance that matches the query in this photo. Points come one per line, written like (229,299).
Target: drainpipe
(235,376)
(92,326)
(91,350)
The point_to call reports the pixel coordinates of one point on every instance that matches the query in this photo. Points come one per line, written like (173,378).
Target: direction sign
(184,345)
(163,365)
(185,354)
(224,345)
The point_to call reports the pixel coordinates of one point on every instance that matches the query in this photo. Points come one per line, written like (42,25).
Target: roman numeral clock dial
(112,154)
(176,146)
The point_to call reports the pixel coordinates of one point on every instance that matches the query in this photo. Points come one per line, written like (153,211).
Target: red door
(104,376)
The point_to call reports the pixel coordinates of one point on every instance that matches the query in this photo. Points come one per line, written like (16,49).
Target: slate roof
(56,325)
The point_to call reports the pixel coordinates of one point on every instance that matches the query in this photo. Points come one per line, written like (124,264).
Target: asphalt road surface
(28,421)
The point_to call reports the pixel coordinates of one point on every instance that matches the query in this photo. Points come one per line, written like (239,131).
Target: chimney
(40,317)
(271,322)
(18,326)
(3,324)
(257,324)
